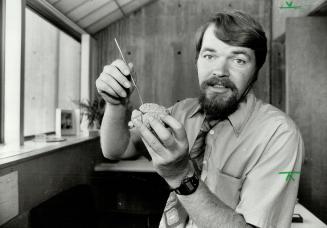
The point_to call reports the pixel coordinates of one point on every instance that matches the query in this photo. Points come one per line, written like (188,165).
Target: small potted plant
(92,113)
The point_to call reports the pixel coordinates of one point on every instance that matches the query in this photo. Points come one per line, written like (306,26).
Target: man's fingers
(133,73)
(148,137)
(163,133)
(153,155)
(136,114)
(117,75)
(176,126)
(122,66)
(103,87)
(113,84)
(130,65)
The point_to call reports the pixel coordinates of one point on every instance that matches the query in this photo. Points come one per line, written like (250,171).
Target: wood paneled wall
(159,40)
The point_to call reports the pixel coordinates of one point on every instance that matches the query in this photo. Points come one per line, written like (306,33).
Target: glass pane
(69,71)
(52,74)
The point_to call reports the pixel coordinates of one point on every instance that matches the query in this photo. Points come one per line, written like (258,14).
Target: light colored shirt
(243,157)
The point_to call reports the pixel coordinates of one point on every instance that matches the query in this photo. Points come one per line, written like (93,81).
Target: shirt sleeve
(267,198)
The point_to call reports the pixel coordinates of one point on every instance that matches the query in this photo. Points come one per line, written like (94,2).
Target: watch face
(188,186)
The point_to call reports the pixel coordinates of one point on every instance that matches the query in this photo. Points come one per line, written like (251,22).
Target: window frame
(13,136)
(52,22)
(56,18)
(2,87)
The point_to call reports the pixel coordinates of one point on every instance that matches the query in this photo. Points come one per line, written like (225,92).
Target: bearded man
(221,153)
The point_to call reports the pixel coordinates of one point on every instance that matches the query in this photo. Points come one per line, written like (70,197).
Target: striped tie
(174,215)
(198,148)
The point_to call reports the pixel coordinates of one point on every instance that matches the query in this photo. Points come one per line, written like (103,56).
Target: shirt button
(211,132)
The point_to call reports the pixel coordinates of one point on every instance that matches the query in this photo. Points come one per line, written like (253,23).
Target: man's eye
(207,56)
(240,61)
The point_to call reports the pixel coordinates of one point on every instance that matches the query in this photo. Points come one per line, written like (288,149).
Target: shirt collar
(195,109)
(239,118)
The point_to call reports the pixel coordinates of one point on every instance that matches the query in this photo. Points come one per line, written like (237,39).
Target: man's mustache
(218,81)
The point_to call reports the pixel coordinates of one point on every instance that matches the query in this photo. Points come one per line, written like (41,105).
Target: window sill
(31,149)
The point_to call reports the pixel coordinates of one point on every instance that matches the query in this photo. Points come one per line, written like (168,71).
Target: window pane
(52,69)
(69,71)
(41,57)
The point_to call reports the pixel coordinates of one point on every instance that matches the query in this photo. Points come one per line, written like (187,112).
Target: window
(52,74)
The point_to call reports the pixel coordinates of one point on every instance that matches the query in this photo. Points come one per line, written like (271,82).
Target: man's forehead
(210,42)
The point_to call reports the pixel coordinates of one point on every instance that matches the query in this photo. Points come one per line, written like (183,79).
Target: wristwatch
(188,185)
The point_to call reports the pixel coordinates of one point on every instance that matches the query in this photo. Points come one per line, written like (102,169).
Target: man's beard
(217,105)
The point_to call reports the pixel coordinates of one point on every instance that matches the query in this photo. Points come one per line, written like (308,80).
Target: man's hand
(169,151)
(113,85)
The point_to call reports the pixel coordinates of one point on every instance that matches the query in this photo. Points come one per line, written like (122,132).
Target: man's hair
(237,28)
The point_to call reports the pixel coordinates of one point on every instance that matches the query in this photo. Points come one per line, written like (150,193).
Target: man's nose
(220,68)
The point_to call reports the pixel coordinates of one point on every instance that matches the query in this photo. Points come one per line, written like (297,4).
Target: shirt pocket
(228,189)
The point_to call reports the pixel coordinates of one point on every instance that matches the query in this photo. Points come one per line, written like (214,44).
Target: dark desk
(130,193)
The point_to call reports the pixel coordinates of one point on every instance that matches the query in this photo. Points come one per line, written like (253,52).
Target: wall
(306,92)
(44,176)
(295,51)
(158,39)
(279,17)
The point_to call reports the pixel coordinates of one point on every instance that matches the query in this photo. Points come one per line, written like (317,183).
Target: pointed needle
(122,56)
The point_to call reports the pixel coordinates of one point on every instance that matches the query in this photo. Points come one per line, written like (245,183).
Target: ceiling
(94,15)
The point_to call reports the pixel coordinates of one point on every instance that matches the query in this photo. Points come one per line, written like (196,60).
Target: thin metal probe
(121,54)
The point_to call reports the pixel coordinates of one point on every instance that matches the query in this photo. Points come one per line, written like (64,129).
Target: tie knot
(207,125)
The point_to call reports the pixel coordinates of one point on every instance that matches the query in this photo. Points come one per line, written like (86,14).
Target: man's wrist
(188,186)
(116,111)
(177,181)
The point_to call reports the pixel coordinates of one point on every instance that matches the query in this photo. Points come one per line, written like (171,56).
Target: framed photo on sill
(65,122)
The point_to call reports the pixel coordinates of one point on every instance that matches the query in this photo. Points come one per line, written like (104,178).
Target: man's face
(224,73)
